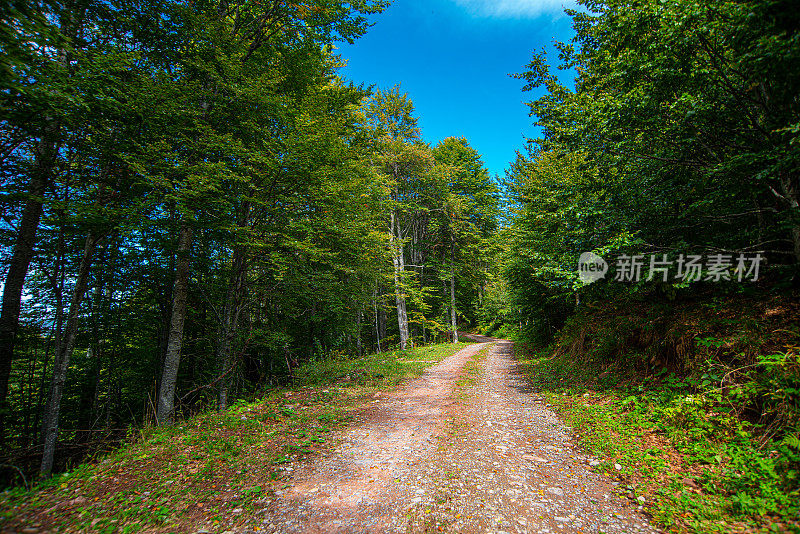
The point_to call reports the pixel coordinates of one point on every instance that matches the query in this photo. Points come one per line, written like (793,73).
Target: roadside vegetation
(472,373)
(677,143)
(215,470)
(693,406)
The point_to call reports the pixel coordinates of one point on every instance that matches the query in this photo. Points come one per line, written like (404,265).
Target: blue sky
(453,58)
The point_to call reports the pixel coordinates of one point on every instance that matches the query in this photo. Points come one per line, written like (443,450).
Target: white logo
(591,268)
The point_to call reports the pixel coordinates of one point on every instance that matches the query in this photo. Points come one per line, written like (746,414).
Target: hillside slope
(694,403)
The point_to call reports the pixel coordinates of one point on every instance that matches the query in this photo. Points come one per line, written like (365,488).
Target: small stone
(640,498)
(236,511)
(618,467)
(534,458)
(555,491)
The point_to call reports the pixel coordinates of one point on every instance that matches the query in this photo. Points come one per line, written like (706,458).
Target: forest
(196,204)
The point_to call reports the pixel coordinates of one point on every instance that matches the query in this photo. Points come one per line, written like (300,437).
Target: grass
(678,444)
(471,373)
(215,470)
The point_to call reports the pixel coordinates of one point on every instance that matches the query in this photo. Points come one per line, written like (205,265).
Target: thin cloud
(515,8)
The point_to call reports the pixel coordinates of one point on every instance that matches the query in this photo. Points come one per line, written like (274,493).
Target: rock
(29,530)
(76,501)
(618,467)
(534,458)
(555,491)
(640,498)
(594,463)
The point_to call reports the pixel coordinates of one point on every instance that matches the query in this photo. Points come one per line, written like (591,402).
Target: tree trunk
(95,346)
(234,302)
(40,399)
(21,257)
(399,269)
(377,321)
(63,355)
(791,195)
(383,321)
(453,317)
(166,391)
(359,315)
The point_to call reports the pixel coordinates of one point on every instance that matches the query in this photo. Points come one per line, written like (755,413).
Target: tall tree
(33,130)
(407,165)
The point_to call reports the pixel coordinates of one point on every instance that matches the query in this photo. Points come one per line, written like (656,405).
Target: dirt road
(444,455)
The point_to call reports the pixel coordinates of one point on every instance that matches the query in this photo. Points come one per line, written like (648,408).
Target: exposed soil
(432,458)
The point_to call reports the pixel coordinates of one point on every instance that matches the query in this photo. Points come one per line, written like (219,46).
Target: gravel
(428,458)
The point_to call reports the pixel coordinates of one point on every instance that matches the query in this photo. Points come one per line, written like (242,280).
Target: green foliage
(440,207)
(378,370)
(678,137)
(685,109)
(231,121)
(709,446)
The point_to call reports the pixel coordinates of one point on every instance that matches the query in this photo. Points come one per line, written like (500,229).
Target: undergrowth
(215,470)
(500,330)
(708,436)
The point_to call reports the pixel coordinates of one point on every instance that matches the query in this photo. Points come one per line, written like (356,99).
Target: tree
(692,105)
(406,164)
(469,219)
(32,132)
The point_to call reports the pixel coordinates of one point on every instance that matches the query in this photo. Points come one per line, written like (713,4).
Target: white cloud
(515,8)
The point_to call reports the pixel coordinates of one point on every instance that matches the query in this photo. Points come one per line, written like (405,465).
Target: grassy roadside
(471,374)
(675,447)
(215,470)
